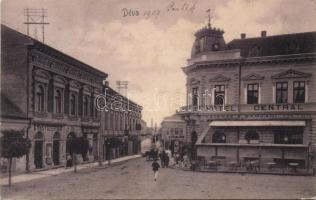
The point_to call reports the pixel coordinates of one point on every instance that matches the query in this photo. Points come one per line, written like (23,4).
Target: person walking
(155,165)
(167,161)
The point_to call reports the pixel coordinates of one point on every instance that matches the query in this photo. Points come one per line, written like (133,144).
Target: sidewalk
(54,172)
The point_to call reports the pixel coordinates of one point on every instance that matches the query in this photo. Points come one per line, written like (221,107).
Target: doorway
(56,144)
(38,150)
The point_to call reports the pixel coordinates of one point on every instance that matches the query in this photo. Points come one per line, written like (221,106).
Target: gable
(290,74)
(252,77)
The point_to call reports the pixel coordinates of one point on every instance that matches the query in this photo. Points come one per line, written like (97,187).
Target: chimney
(243,35)
(263,33)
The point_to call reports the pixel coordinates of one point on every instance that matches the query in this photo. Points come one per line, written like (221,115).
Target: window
(73,104)
(40,98)
(252,93)
(58,101)
(171,131)
(195,96)
(215,47)
(293,136)
(201,44)
(281,92)
(85,105)
(252,135)
(176,131)
(219,137)
(219,95)
(181,131)
(299,92)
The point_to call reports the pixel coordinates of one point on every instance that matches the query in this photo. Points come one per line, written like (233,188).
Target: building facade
(121,118)
(50,96)
(173,132)
(253,100)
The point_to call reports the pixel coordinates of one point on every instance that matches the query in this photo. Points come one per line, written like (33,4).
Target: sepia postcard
(158,99)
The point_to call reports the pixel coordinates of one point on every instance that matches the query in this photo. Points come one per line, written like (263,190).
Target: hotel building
(252,100)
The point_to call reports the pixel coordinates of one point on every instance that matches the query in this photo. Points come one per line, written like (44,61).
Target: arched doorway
(219,137)
(38,150)
(56,144)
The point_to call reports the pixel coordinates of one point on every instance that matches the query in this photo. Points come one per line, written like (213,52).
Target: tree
(78,145)
(13,145)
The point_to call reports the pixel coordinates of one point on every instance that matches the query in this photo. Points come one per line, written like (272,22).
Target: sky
(147,42)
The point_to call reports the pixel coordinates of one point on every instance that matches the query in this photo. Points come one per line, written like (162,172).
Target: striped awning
(256,123)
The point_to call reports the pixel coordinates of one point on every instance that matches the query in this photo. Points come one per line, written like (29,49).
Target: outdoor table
(294,166)
(271,165)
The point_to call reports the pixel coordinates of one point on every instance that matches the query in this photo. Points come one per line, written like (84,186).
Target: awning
(257,123)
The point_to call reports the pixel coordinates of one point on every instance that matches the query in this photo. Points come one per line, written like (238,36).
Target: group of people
(164,161)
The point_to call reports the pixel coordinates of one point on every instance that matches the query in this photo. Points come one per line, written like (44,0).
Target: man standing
(155,167)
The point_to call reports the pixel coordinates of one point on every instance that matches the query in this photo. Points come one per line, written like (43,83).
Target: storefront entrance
(38,150)
(56,144)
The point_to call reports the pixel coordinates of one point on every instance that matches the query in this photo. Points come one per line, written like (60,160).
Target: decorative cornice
(252,77)
(193,81)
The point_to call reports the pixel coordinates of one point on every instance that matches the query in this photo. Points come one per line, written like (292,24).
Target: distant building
(173,131)
(122,120)
(253,99)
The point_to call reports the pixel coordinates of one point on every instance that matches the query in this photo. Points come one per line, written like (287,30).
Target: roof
(51,50)
(9,109)
(285,44)
(173,118)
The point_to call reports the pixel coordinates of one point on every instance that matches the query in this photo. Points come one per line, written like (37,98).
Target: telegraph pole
(35,17)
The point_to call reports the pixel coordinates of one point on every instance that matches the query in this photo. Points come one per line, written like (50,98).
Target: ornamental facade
(50,97)
(252,102)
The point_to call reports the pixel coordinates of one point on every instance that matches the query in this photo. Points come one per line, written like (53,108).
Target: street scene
(134,179)
(168,99)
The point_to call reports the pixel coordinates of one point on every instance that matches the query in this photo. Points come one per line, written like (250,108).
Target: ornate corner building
(50,96)
(252,100)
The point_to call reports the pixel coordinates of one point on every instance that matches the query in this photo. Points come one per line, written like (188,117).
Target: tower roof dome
(208,39)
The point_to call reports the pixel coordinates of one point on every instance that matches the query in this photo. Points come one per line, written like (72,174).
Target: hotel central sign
(277,107)
(244,108)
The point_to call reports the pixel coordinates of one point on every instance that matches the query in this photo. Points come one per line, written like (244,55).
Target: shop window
(40,98)
(219,137)
(58,99)
(252,137)
(195,96)
(219,95)
(252,93)
(299,92)
(290,136)
(281,92)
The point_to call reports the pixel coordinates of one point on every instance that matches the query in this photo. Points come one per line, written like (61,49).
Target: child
(155,167)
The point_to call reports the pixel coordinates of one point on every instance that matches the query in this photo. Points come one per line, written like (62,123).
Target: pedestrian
(155,167)
(167,160)
(68,160)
